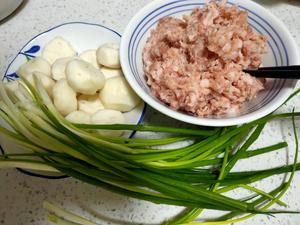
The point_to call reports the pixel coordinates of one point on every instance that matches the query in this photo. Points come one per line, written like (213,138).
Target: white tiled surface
(21,196)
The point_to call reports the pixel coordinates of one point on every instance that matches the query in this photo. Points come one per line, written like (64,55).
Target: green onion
(139,168)
(55,219)
(26,165)
(57,212)
(149,128)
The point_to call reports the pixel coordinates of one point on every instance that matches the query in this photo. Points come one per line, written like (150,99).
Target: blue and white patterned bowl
(82,36)
(282,51)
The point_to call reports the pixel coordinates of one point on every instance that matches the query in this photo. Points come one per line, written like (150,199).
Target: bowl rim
(212,122)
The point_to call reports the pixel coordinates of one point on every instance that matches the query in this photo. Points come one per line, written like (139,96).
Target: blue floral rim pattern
(29,55)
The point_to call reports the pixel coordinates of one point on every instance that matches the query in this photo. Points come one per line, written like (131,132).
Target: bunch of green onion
(136,167)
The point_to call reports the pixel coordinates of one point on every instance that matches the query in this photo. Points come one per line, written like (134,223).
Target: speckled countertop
(21,196)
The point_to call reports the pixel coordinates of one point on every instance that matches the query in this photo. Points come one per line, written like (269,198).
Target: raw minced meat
(195,64)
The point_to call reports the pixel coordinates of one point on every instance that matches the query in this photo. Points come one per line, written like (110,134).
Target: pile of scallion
(136,167)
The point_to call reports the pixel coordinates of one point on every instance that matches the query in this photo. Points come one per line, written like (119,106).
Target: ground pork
(195,64)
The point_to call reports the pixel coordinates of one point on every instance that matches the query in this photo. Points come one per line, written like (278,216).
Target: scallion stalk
(135,167)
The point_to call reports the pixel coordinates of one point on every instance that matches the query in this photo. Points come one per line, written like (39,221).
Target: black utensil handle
(281,72)
(293,67)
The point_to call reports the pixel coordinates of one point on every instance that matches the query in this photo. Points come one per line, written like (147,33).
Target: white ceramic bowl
(282,51)
(82,36)
(8,7)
